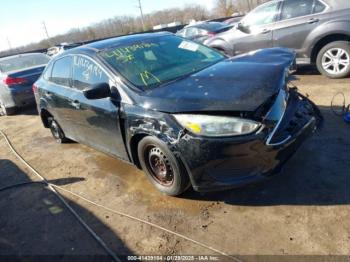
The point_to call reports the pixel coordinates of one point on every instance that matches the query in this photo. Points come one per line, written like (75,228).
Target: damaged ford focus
(183,113)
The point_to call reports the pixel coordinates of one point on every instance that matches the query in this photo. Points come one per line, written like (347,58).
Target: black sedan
(184,113)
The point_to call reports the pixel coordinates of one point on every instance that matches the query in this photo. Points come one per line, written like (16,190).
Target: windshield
(22,62)
(153,62)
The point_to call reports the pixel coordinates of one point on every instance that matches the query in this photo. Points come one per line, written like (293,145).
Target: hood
(239,84)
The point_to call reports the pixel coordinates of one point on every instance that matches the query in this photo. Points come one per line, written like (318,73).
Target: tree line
(122,25)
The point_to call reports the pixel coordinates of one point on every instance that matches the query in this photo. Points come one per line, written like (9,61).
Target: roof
(14,56)
(121,40)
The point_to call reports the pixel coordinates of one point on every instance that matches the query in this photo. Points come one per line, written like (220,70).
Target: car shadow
(307,70)
(30,110)
(35,223)
(318,174)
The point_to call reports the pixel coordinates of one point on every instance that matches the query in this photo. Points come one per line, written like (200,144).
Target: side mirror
(98,91)
(243,28)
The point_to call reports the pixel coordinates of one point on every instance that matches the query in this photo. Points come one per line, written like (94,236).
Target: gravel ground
(303,211)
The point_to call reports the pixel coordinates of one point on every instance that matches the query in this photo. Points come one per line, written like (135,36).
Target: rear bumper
(18,98)
(217,164)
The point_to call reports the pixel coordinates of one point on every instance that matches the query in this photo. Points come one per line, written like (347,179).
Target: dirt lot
(304,211)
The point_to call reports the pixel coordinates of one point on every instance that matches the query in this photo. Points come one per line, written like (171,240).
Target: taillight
(211,34)
(35,88)
(11,81)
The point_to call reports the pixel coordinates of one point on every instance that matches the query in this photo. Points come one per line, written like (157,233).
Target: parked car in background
(202,31)
(184,113)
(233,20)
(319,31)
(17,75)
(58,49)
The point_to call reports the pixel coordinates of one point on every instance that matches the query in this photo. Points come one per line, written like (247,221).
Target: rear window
(22,62)
(213,27)
(296,8)
(319,7)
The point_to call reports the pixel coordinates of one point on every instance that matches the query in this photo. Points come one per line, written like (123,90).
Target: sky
(21,21)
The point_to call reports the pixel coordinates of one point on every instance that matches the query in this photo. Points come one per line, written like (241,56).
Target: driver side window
(87,73)
(262,15)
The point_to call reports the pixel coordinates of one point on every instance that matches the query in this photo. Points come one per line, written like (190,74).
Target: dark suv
(319,31)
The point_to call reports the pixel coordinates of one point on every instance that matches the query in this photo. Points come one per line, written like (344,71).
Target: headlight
(217,126)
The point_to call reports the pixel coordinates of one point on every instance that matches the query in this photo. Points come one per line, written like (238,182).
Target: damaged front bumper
(223,163)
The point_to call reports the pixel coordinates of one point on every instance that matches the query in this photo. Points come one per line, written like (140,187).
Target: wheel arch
(325,41)
(133,144)
(45,115)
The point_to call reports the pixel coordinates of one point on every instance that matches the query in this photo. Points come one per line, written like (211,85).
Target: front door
(256,29)
(97,122)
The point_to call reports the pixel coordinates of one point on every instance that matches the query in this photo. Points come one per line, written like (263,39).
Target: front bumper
(216,164)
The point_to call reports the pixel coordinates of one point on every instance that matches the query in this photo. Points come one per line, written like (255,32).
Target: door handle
(313,20)
(265,31)
(76,104)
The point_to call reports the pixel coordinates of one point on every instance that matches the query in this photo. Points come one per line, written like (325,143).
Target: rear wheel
(57,132)
(334,60)
(162,168)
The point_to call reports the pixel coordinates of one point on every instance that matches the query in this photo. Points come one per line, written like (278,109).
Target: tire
(7,111)
(161,167)
(333,60)
(57,132)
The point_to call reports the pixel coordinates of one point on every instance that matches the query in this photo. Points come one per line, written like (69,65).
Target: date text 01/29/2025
(173,258)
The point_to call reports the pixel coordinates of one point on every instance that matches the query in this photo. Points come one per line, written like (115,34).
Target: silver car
(319,31)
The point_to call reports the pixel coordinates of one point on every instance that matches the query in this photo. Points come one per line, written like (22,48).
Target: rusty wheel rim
(159,166)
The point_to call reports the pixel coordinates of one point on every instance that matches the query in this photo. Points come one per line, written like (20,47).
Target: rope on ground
(52,187)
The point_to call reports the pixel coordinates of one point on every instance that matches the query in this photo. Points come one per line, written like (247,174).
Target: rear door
(297,19)
(257,29)
(58,94)
(97,122)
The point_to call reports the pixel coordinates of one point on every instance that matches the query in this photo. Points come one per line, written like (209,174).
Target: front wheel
(333,60)
(162,168)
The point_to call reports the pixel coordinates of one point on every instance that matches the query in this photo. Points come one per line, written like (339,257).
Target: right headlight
(217,126)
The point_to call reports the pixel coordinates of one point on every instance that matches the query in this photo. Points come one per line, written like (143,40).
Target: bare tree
(223,8)
(120,25)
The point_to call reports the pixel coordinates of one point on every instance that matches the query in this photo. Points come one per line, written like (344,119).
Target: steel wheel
(336,61)
(162,168)
(159,166)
